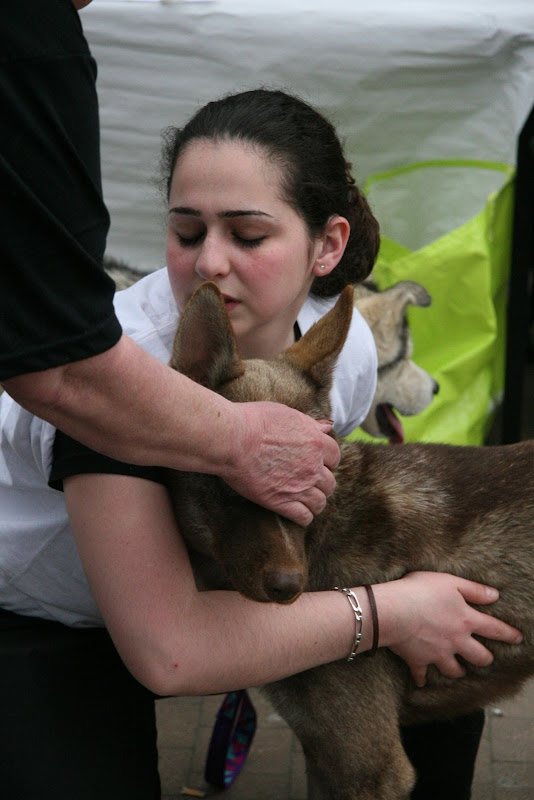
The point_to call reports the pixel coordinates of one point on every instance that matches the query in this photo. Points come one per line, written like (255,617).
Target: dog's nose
(282,586)
(435,388)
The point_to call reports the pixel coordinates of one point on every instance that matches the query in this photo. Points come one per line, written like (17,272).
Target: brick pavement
(275,766)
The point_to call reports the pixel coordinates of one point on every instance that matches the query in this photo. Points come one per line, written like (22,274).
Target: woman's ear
(331,245)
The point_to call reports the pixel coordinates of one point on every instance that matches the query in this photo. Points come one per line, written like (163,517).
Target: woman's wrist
(353,627)
(391,621)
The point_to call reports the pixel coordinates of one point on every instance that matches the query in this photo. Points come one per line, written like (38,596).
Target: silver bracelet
(353,600)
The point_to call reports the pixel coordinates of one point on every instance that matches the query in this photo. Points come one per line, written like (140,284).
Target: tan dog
(402,385)
(464,510)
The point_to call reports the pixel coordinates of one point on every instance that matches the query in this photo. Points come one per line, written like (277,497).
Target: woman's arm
(178,641)
(128,405)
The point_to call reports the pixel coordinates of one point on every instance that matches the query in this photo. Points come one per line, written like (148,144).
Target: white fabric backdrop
(402,81)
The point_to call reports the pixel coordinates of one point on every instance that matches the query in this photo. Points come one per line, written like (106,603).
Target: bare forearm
(234,643)
(123,403)
(225,642)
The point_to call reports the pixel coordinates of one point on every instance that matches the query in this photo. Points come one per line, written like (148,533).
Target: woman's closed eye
(189,241)
(249,242)
(244,241)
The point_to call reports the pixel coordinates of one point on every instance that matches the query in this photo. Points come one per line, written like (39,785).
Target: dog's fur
(402,385)
(464,510)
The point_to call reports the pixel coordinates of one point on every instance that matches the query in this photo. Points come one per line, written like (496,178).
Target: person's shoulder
(148,313)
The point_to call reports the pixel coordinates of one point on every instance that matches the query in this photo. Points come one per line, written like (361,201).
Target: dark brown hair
(316,178)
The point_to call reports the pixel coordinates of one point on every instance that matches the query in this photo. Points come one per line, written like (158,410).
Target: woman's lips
(230,302)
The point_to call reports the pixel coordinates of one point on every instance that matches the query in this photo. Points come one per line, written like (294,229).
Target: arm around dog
(173,638)
(178,641)
(126,404)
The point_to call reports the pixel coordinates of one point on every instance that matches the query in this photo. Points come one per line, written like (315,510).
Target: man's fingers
(314,500)
(297,512)
(325,424)
(302,511)
(331,452)
(326,483)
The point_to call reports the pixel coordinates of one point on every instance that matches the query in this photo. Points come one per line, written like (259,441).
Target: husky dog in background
(402,385)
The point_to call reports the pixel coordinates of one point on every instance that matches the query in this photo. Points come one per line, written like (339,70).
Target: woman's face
(227,223)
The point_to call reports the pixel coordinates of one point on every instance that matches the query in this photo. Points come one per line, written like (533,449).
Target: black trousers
(443,754)
(74,724)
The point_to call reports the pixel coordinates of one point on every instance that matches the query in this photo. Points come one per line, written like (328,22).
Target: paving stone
(209,708)
(512,739)
(513,794)
(249,786)
(520,706)
(515,775)
(177,720)
(174,767)
(483,766)
(482,791)
(270,751)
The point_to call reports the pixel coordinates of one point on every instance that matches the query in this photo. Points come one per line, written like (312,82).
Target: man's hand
(284,461)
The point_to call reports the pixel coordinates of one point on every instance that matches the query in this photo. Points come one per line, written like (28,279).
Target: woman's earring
(322,267)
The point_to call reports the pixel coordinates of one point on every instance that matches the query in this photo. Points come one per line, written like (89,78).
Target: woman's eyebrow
(243,213)
(192,212)
(184,210)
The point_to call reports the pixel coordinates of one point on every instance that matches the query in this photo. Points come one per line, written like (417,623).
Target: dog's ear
(204,347)
(385,311)
(316,353)
(407,293)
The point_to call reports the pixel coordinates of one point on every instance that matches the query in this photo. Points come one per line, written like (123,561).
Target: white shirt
(40,571)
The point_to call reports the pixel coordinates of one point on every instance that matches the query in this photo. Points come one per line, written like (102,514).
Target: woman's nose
(212,260)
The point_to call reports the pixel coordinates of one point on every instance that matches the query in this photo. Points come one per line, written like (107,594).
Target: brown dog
(464,510)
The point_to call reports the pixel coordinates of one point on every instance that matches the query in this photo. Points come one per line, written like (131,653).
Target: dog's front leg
(314,788)
(346,717)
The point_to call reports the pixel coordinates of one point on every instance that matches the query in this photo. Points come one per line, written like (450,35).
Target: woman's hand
(435,623)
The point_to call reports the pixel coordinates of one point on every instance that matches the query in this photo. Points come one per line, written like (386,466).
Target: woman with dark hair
(260,201)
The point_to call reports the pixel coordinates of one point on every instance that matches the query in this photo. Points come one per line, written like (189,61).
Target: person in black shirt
(62,352)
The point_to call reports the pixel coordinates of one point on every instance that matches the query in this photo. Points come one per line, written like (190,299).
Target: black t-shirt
(73,458)
(55,299)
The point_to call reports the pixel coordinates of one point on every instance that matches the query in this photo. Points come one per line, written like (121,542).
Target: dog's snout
(435,388)
(283,586)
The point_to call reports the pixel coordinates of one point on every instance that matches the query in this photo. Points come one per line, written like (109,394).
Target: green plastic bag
(456,243)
